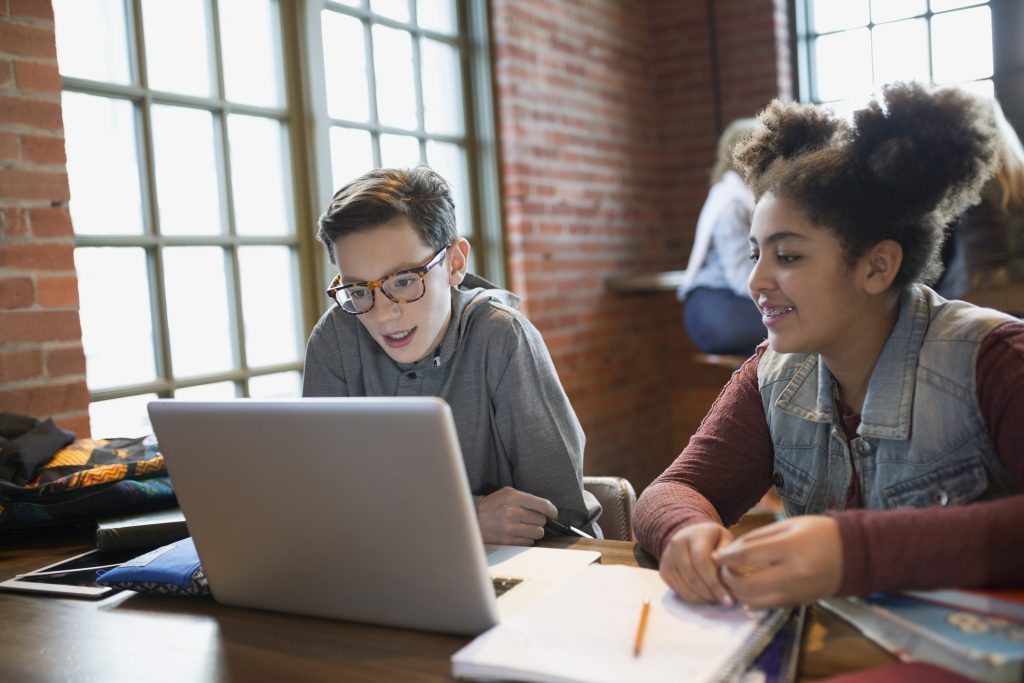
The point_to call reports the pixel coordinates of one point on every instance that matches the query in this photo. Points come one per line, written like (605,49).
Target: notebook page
(584,630)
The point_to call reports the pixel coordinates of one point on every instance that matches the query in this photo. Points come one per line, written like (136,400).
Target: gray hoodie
(515,424)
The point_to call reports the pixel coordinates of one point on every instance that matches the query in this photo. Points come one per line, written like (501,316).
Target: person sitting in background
(985,251)
(409,320)
(719,316)
(889,420)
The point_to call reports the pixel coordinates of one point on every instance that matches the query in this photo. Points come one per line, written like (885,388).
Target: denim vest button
(777,479)
(941,497)
(863,447)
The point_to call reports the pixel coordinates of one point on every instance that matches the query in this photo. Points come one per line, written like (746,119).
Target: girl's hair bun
(788,130)
(933,149)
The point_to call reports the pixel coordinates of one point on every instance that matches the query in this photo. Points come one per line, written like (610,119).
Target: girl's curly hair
(904,170)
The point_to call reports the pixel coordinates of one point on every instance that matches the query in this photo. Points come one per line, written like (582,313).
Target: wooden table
(135,637)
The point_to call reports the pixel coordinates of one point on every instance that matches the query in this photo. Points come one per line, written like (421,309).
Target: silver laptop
(348,508)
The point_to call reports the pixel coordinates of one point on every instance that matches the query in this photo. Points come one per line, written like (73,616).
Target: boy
(410,321)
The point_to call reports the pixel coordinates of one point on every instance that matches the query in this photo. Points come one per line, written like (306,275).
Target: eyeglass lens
(401,288)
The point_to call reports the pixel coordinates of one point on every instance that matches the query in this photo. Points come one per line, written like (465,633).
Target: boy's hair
(385,194)
(904,170)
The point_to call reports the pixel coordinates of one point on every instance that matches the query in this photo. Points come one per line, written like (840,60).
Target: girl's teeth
(400,335)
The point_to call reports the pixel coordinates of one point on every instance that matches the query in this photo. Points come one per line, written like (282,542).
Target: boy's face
(407,332)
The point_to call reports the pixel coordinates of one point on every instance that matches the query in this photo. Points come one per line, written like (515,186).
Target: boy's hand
(686,564)
(792,562)
(513,517)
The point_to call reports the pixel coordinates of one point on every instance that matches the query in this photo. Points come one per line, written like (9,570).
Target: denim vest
(922,438)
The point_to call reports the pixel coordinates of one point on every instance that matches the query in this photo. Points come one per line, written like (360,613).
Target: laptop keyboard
(502,585)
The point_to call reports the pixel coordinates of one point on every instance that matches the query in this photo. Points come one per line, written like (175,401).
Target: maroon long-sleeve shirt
(727,466)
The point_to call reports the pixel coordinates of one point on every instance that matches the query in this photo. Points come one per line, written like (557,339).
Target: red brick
(20,364)
(45,400)
(16,292)
(64,362)
(43,150)
(33,9)
(57,292)
(51,256)
(35,77)
(26,111)
(12,222)
(21,184)
(50,222)
(77,422)
(39,326)
(10,149)
(27,40)
(6,74)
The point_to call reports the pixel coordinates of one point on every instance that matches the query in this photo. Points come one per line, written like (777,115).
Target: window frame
(305,116)
(479,139)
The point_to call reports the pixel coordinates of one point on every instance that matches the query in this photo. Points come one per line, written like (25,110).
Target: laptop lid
(349,508)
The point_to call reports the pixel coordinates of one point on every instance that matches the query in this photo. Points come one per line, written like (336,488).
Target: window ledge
(643,283)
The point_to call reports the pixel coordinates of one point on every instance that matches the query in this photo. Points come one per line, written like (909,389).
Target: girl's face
(806,293)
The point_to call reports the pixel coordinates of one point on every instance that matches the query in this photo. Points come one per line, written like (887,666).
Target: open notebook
(585,630)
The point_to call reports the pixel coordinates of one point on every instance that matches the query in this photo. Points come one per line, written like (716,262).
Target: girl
(889,420)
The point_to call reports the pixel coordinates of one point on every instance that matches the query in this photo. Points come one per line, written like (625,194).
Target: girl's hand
(686,564)
(792,562)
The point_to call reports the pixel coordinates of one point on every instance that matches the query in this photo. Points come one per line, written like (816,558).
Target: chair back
(617,499)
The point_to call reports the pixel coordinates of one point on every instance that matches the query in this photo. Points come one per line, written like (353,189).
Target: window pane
(984,88)
(208,392)
(962,45)
(833,15)
(117,323)
(450,161)
(260,176)
(942,5)
(270,305)
(278,385)
(103,172)
(121,417)
(844,65)
(887,10)
(351,155)
(399,151)
(393,9)
(92,39)
(345,67)
(437,15)
(901,51)
(251,51)
(396,89)
(197,310)
(442,87)
(168,66)
(187,182)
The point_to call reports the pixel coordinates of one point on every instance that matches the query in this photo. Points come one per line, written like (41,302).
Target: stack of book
(979,634)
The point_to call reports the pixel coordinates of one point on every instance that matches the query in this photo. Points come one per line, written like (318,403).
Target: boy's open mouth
(399,339)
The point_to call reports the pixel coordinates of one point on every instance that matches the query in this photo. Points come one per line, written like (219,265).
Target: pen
(641,627)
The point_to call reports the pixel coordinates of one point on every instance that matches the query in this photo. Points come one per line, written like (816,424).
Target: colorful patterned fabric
(81,481)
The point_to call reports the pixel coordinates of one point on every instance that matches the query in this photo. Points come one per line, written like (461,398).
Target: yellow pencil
(641,628)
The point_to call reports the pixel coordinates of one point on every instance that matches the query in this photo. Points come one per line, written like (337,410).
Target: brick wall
(607,113)
(42,366)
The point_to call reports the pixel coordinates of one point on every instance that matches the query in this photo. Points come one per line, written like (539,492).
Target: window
(848,48)
(195,182)
(391,88)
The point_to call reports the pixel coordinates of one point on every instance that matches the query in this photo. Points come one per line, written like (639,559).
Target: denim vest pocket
(793,484)
(954,484)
